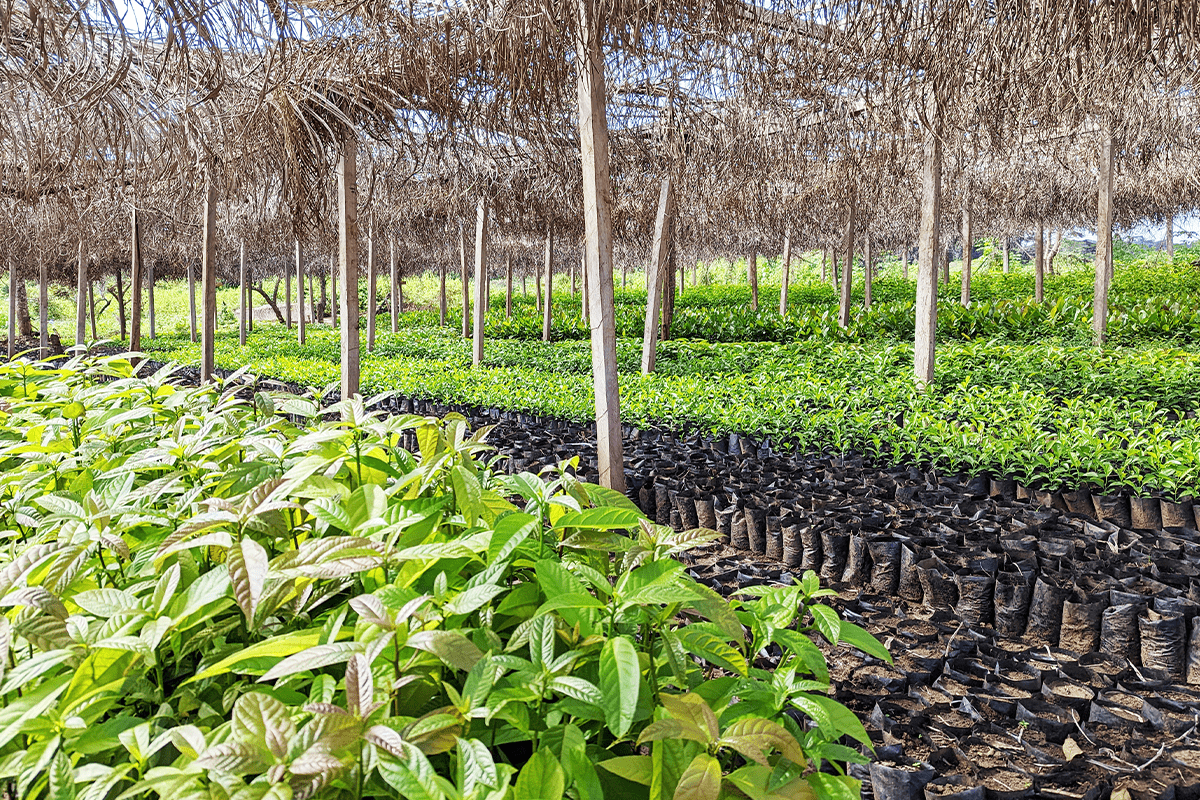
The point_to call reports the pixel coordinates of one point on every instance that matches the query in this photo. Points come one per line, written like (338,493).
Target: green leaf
(476,765)
(603,497)
(276,647)
(451,647)
(841,718)
(835,787)
(701,780)
(631,768)
(62,779)
(608,518)
(540,779)
(714,650)
(620,679)
(468,497)
(673,729)
(827,622)
(693,708)
(248,565)
(858,637)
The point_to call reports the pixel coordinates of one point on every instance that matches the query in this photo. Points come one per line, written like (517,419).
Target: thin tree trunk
(1171,238)
(597,216)
(348,264)
(824,265)
(208,281)
(1059,235)
(929,251)
(965,294)
(904,262)
(654,283)
(481,278)
(1007,267)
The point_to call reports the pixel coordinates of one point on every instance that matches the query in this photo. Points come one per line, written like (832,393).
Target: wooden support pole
(904,262)
(847,266)
(244,315)
(824,264)
(81,296)
(1104,225)
(537,287)
(659,257)
(372,278)
(597,217)
(466,283)
(394,294)
(868,269)
(547,307)
(967,240)
(1171,237)
(929,251)
(481,278)
(508,286)
(135,283)
(1004,243)
(208,285)
(1039,263)
(752,276)
(624,273)
(300,332)
(524,288)
(787,269)
(348,264)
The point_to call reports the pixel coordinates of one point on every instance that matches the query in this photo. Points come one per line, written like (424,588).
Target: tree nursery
(599,399)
